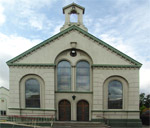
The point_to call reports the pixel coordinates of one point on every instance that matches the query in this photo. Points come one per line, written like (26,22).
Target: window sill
(34,109)
(73,92)
(115,110)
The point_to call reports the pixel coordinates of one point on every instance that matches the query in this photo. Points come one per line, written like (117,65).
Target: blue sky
(124,24)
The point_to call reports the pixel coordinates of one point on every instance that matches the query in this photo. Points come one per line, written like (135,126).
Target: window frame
(22,90)
(75,76)
(121,94)
(28,106)
(70,75)
(124,92)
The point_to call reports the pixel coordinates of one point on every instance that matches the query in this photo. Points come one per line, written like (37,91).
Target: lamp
(73,97)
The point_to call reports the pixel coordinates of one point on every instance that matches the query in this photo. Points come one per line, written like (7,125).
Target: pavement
(146,126)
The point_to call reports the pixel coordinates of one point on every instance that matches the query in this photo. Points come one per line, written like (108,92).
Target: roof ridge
(74,27)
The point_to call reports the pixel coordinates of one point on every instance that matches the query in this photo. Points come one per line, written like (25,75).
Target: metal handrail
(32,120)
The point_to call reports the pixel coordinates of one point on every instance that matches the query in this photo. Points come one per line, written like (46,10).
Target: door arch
(64,110)
(82,111)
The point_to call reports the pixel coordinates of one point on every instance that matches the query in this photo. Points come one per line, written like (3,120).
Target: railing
(102,117)
(32,120)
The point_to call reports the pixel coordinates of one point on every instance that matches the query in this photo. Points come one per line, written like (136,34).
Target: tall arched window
(32,93)
(115,95)
(83,76)
(64,76)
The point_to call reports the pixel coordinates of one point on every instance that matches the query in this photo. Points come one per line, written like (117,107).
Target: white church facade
(75,76)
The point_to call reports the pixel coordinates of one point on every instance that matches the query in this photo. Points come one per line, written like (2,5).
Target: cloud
(57,28)
(11,46)
(66,2)
(2,16)
(36,20)
(28,13)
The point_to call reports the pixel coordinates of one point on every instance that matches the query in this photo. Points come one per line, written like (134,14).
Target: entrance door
(83,111)
(64,110)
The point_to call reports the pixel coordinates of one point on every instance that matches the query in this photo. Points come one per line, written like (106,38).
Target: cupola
(72,9)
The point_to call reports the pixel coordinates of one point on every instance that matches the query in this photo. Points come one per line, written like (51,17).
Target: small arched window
(83,76)
(64,76)
(115,95)
(32,93)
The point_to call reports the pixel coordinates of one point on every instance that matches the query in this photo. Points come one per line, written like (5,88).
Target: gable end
(136,63)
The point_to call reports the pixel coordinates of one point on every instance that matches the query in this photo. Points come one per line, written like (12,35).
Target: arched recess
(82,110)
(64,110)
(115,93)
(81,55)
(36,82)
(73,60)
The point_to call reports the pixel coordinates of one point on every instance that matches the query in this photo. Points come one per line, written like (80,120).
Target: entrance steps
(72,124)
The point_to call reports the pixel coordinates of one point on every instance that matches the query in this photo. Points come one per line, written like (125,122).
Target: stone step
(65,124)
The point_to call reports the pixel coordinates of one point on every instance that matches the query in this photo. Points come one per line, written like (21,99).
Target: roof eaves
(110,47)
(115,66)
(66,31)
(39,45)
(36,64)
(4,88)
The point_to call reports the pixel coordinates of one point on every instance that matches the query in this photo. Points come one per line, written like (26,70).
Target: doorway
(64,110)
(82,111)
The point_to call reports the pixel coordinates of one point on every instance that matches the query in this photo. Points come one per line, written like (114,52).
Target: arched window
(115,95)
(64,76)
(32,93)
(83,76)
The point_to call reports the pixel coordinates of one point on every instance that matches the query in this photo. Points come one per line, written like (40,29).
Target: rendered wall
(16,74)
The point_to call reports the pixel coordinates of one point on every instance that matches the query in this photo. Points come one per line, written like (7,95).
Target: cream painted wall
(17,73)
(98,53)
(79,96)
(131,94)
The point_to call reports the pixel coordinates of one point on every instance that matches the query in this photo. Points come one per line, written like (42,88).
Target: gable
(46,52)
(73,4)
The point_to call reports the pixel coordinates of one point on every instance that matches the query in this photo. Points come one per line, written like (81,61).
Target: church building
(75,76)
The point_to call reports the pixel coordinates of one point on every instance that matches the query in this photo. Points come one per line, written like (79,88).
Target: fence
(32,120)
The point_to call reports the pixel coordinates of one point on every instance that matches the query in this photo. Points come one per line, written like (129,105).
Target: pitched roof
(74,4)
(4,88)
(136,63)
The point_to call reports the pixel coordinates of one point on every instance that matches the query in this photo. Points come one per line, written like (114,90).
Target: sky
(124,24)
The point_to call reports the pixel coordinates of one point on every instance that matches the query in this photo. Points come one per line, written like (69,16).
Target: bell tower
(70,10)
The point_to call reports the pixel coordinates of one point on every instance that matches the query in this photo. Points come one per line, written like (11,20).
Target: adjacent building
(4,100)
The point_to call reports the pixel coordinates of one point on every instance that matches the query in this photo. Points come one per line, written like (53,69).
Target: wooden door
(83,111)
(64,110)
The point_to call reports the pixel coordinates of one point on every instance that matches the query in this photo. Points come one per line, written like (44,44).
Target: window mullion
(73,77)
